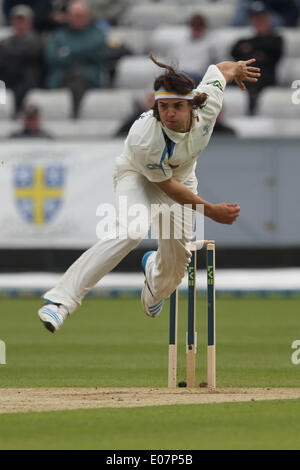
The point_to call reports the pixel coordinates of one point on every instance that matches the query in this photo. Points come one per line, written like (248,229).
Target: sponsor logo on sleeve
(217,84)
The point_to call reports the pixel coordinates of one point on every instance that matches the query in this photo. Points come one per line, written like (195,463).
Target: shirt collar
(174,136)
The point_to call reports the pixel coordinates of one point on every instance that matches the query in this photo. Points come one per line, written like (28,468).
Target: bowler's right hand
(224,213)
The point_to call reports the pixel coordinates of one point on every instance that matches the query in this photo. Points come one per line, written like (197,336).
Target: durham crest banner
(50,192)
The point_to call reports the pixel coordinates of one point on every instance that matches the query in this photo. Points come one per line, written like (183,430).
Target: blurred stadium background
(66,177)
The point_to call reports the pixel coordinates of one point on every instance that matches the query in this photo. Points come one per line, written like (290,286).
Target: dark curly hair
(178,82)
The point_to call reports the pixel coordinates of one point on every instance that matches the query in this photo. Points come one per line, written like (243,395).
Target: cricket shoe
(52,315)
(150,310)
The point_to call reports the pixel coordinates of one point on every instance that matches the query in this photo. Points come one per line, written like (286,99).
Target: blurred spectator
(283,12)
(50,14)
(140,107)
(21,55)
(265,46)
(31,124)
(197,52)
(8,5)
(76,55)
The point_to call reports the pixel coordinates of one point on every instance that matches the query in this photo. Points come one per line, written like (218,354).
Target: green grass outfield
(111,343)
(246,426)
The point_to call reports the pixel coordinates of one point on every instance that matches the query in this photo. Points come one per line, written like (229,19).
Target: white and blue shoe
(52,315)
(155,309)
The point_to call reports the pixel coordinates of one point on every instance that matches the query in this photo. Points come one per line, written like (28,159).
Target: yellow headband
(160,94)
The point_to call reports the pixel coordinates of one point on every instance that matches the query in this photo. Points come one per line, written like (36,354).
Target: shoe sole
(48,326)
(143,303)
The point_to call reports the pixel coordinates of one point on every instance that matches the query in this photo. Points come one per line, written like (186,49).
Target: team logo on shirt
(216,83)
(38,191)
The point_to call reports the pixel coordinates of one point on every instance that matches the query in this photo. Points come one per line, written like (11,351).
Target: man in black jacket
(266,46)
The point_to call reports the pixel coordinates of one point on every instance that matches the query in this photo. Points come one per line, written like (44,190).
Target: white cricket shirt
(145,149)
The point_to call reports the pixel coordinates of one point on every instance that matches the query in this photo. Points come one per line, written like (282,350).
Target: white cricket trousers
(165,269)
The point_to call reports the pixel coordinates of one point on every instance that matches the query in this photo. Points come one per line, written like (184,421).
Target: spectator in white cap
(8,5)
(21,55)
